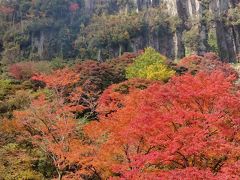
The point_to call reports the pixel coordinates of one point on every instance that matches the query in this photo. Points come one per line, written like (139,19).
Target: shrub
(42,67)
(150,65)
(207,63)
(4,87)
(57,63)
(20,71)
(25,70)
(19,100)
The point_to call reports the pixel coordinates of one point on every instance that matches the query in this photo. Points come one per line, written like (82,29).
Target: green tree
(109,35)
(150,65)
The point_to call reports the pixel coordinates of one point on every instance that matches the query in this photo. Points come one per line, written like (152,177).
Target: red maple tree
(64,83)
(113,98)
(208,63)
(187,128)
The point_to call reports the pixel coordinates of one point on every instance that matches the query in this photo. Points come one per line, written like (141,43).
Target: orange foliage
(186,128)
(114,96)
(63,82)
(51,127)
(59,78)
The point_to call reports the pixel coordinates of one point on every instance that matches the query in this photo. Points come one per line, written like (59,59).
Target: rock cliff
(203,15)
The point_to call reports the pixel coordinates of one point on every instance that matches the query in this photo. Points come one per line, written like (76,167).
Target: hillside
(119,90)
(102,29)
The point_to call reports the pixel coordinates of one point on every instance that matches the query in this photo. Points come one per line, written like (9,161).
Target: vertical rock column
(225,34)
(89,5)
(236,30)
(203,45)
(183,14)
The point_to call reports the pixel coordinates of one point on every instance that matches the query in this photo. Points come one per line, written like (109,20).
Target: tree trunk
(40,45)
(60,174)
(99,55)
(120,50)
(126,9)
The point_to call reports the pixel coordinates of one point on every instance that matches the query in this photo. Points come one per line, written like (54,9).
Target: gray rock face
(227,36)
(188,11)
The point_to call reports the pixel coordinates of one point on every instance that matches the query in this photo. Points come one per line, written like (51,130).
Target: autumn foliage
(102,90)
(186,128)
(58,80)
(6,10)
(150,65)
(113,98)
(73,7)
(51,127)
(207,63)
(96,124)
(25,70)
(64,83)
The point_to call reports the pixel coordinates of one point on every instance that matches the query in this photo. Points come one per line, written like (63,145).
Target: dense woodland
(103,29)
(119,89)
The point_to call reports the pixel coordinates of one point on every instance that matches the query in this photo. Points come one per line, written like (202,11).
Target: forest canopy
(120,89)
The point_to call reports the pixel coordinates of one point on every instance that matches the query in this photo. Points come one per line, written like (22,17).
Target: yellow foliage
(150,65)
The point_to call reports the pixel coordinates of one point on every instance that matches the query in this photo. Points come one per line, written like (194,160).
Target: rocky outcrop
(190,12)
(227,37)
